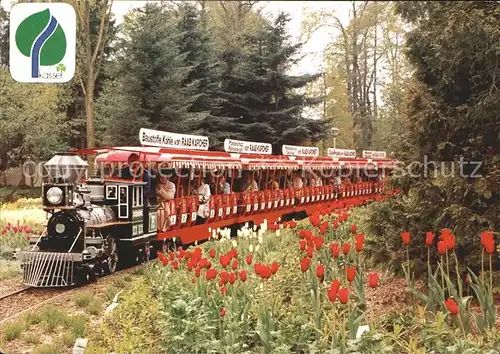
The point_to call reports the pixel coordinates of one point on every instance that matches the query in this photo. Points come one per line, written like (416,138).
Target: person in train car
(297,180)
(224,186)
(204,195)
(135,170)
(165,189)
(249,184)
(314,180)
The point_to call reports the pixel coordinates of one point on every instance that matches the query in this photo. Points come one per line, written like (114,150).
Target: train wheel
(111,255)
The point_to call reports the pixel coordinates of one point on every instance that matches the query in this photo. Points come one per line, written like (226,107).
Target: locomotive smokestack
(66,168)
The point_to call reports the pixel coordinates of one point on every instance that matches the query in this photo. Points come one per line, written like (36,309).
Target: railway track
(27,299)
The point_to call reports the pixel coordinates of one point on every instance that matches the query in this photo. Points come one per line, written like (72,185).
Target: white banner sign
(341,153)
(151,137)
(247,147)
(374,154)
(292,150)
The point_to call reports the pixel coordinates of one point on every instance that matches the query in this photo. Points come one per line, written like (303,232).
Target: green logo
(41,38)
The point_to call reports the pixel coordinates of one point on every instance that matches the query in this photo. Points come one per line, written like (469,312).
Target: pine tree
(149,89)
(264,102)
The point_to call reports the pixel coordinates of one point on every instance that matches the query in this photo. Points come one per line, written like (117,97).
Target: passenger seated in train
(249,184)
(297,180)
(315,181)
(134,170)
(204,194)
(224,186)
(165,189)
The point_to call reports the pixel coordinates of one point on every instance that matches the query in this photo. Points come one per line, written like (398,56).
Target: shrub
(83,299)
(13,330)
(32,318)
(77,325)
(93,308)
(52,317)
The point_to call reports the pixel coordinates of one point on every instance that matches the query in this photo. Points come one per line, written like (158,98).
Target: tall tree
(4,37)
(151,84)
(259,95)
(451,131)
(92,53)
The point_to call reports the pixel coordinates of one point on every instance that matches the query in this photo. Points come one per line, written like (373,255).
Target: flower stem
(482,264)
(491,276)
(409,274)
(461,324)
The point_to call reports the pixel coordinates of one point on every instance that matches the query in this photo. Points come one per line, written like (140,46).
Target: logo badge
(42,42)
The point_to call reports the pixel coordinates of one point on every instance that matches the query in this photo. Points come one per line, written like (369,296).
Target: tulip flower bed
(18,221)
(296,288)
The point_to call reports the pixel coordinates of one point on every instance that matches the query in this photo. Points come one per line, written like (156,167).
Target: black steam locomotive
(90,226)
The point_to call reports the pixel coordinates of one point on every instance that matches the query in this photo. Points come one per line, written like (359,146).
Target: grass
(54,348)
(9,269)
(13,330)
(110,292)
(32,318)
(52,317)
(77,325)
(93,308)
(12,194)
(67,339)
(83,299)
(31,338)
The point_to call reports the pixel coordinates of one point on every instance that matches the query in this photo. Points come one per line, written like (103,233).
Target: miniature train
(111,219)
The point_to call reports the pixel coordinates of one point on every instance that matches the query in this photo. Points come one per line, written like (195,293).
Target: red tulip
(265,272)
(305,234)
(429,238)
(222,312)
(353,228)
(223,290)
(320,271)
(334,288)
(302,245)
(249,259)
(304,264)
(359,241)
(197,271)
(15,229)
(8,226)
(405,236)
(175,264)
(274,267)
(231,277)
(318,242)
(373,279)
(441,247)
(350,273)
(343,295)
(224,260)
(292,224)
(243,275)
(444,233)
(310,252)
(234,265)
(451,306)
(346,247)
(488,242)
(335,249)
(336,224)
(171,256)
(212,253)
(203,263)
(211,274)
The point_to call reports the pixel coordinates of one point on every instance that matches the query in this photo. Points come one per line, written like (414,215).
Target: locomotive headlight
(55,195)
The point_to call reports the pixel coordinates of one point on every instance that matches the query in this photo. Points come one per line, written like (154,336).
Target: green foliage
(13,330)
(52,317)
(132,326)
(451,114)
(83,299)
(27,127)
